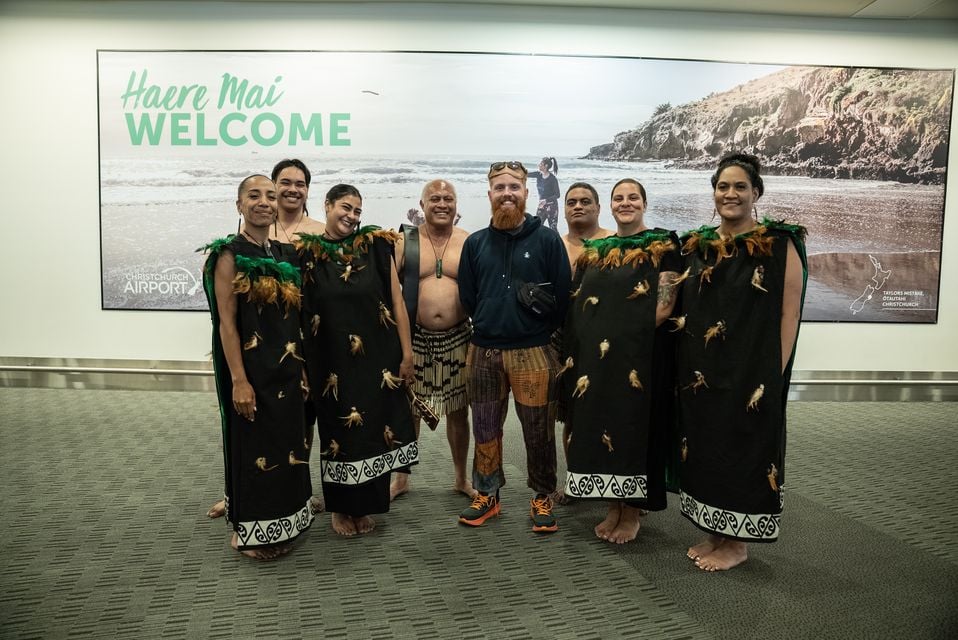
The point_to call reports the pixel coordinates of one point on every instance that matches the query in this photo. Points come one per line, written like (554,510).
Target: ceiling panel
(864,9)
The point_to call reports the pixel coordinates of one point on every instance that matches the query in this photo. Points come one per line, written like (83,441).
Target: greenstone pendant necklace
(438,255)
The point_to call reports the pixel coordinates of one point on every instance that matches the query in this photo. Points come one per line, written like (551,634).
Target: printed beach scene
(858,156)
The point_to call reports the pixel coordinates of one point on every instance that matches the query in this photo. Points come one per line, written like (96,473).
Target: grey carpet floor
(103,495)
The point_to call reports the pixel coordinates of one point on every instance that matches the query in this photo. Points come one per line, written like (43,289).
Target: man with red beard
(514,280)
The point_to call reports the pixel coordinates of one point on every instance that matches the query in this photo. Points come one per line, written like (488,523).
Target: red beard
(510,218)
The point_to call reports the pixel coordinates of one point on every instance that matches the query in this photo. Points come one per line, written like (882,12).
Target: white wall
(50,286)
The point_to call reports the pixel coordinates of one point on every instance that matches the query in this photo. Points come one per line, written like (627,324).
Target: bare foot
(559,497)
(218,510)
(399,485)
(465,488)
(316,505)
(604,528)
(364,524)
(703,548)
(628,527)
(343,524)
(256,554)
(730,553)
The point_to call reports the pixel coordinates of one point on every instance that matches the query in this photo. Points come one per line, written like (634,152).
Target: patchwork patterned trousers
(531,376)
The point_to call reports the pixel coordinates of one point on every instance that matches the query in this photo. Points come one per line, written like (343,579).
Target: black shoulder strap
(409,277)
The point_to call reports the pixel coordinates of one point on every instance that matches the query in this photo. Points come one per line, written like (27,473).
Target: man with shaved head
(428,256)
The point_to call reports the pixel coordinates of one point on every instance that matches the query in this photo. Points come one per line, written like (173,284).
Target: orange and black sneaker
(482,508)
(542,519)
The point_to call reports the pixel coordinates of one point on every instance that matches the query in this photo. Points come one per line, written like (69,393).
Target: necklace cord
(295,228)
(265,245)
(439,256)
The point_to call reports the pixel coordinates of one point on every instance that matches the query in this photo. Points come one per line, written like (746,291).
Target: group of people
(666,358)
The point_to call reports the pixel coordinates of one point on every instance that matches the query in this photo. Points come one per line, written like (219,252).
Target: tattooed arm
(668,289)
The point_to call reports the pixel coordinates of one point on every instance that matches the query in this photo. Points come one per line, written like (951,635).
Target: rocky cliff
(876,124)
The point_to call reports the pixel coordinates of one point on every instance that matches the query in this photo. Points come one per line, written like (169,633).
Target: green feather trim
(320,246)
(368,229)
(344,249)
(780,225)
(602,246)
(282,271)
(708,236)
(364,237)
(217,245)
(703,233)
(616,251)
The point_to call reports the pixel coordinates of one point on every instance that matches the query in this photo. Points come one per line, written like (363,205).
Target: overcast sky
(439,104)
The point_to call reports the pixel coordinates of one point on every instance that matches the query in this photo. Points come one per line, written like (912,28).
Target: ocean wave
(457,164)
(158,201)
(211,172)
(381,170)
(163,182)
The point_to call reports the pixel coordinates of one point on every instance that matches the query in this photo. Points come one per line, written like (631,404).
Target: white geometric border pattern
(360,471)
(256,533)
(760,527)
(605,485)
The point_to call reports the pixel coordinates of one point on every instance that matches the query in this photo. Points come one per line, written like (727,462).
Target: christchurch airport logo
(168,282)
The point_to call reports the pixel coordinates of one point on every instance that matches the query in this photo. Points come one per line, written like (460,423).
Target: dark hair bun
(748,163)
(741,158)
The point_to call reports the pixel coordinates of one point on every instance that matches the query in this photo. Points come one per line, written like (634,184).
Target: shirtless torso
(439,310)
(573,242)
(439,307)
(288,233)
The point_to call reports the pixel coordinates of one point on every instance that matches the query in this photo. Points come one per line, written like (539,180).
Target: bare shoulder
(312,226)
(225,265)
(793,262)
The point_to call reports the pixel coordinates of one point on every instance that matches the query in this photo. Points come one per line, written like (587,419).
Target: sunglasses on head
(514,165)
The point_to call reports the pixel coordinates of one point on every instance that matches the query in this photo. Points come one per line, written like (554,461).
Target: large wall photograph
(857,155)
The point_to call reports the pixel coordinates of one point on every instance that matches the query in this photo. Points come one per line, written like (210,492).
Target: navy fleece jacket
(493,262)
